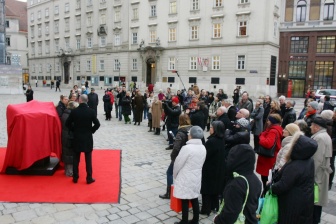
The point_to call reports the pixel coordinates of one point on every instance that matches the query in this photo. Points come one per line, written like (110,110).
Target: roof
(19,10)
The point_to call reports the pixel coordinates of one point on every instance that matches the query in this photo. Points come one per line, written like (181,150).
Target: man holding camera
(172,112)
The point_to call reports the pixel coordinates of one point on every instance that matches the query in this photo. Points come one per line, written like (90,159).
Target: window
(40,67)
(299,45)
(171,63)
(242,28)
(89,19)
(78,66)
(172,34)
(216,30)
(39,30)
(56,10)
(152,36)
(215,63)
(135,64)
(57,67)
(108,81)
(135,13)
(8,41)
(218,3)
(241,62)
(78,43)
(323,75)
(103,18)
(88,65)
(39,15)
(31,17)
(326,44)
(328,11)
(194,4)
(46,12)
(89,2)
(67,43)
(7,24)
(32,31)
(153,10)
(117,16)
(56,25)
(116,64)
(67,7)
(194,33)
(47,28)
(193,63)
(102,65)
(57,45)
(67,25)
(301,11)
(243,1)
(89,42)
(172,8)
(47,47)
(33,69)
(103,41)
(78,22)
(275,29)
(78,4)
(31,2)
(134,38)
(297,69)
(117,39)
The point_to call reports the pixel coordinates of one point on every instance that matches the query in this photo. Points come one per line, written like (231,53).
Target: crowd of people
(304,148)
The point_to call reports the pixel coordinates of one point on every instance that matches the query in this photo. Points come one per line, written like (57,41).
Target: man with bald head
(243,113)
(223,117)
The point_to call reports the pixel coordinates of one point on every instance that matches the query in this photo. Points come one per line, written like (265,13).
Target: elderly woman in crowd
(107,106)
(257,123)
(188,174)
(126,107)
(157,110)
(139,102)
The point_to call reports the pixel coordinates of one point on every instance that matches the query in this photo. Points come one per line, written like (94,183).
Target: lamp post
(119,72)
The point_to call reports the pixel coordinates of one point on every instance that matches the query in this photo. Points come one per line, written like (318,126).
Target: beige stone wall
(10,79)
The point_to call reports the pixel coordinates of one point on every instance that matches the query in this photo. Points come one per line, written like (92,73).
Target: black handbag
(262,151)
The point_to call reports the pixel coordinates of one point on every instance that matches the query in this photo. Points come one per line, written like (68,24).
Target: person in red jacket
(272,134)
(111,97)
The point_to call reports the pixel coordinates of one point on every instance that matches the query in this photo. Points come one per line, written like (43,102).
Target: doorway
(298,88)
(66,73)
(150,72)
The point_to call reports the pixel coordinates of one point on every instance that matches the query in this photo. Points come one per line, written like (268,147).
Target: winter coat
(257,124)
(80,120)
(197,118)
(309,120)
(241,160)
(322,164)
(67,142)
(181,139)
(226,121)
(232,111)
(213,109)
(156,113)
(120,96)
(93,100)
(281,157)
(289,117)
(29,95)
(126,105)
(236,137)
(173,114)
(294,183)
(60,109)
(283,109)
(267,139)
(188,170)
(246,105)
(213,167)
(150,100)
(139,102)
(267,109)
(107,103)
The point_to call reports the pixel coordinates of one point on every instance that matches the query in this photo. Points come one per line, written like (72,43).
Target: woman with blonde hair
(275,109)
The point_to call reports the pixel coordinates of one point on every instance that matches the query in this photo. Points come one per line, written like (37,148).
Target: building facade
(307,47)
(174,43)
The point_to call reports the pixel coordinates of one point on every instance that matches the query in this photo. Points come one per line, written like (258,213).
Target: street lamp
(119,72)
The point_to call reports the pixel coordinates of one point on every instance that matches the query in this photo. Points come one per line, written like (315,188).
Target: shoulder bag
(262,151)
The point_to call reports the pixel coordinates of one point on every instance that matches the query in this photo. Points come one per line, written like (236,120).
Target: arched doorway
(66,73)
(150,72)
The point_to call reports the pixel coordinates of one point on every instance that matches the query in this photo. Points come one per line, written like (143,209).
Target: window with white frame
(275,29)
(243,1)
(135,64)
(171,63)
(56,10)
(217,30)
(152,36)
(102,65)
(117,16)
(153,10)
(242,28)
(40,68)
(57,67)
(67,24)
(88,65)
(134,38)
(215,63)
(39,30)
(301,10)
(78,43)
(33,68)
(194,32)
(103,41)
(102,18)
(33,48)
(46,12)
(89,19)
(89,2)
(32,17)
(218,3)
(57,45)
(67,7)
(328,11)
(172,7)
(39,15)
(117,39)
(241,62)
(67,42)
(193,63)
(78,4)
(56,26)
(78,66)
(47,46)
(116,64)
(31,2)
(32,31)
(135,13)
(78,22)
(172,34)
(89,42)
(194,4)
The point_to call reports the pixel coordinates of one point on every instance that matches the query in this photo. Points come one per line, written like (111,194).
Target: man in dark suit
(93,100)
(80,121)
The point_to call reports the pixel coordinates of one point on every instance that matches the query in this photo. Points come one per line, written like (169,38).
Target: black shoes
(75,180)
(204,213)
(90,181)
(169,147)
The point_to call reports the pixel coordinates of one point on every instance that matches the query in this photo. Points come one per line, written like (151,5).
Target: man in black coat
(120,96)
(267,108)
(231,109)
(172,121)
(327,105)
(290,114)
(223,117)
(93,100)
(80,121)
(58,83)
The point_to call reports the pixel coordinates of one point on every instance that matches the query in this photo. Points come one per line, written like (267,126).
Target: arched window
(301,11)
(328,12)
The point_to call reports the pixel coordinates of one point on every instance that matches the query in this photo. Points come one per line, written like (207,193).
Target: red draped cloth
(34,133)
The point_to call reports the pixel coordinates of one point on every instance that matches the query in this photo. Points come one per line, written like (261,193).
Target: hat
(327,114)
(176,100)
(92,89)
(314,105)
(292,128)
(196,132)
(274,118)
(320,122)
(243,122)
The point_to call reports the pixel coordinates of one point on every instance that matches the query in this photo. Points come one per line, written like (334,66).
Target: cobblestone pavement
(144,164)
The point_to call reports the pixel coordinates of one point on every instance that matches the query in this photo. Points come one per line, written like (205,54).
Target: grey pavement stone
(24,215)
(113,217)
(43,219)
(6,219)
(131,219)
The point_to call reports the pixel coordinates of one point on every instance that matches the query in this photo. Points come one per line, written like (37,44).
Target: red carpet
(60,189)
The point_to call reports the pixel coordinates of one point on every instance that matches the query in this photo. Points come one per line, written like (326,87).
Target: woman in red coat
(266,139)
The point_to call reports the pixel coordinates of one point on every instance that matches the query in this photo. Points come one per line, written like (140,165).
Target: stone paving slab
(144,164)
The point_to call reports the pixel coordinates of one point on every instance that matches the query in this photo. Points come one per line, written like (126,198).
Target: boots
(150,129)
(157,131)
(163,127)
(166,195)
